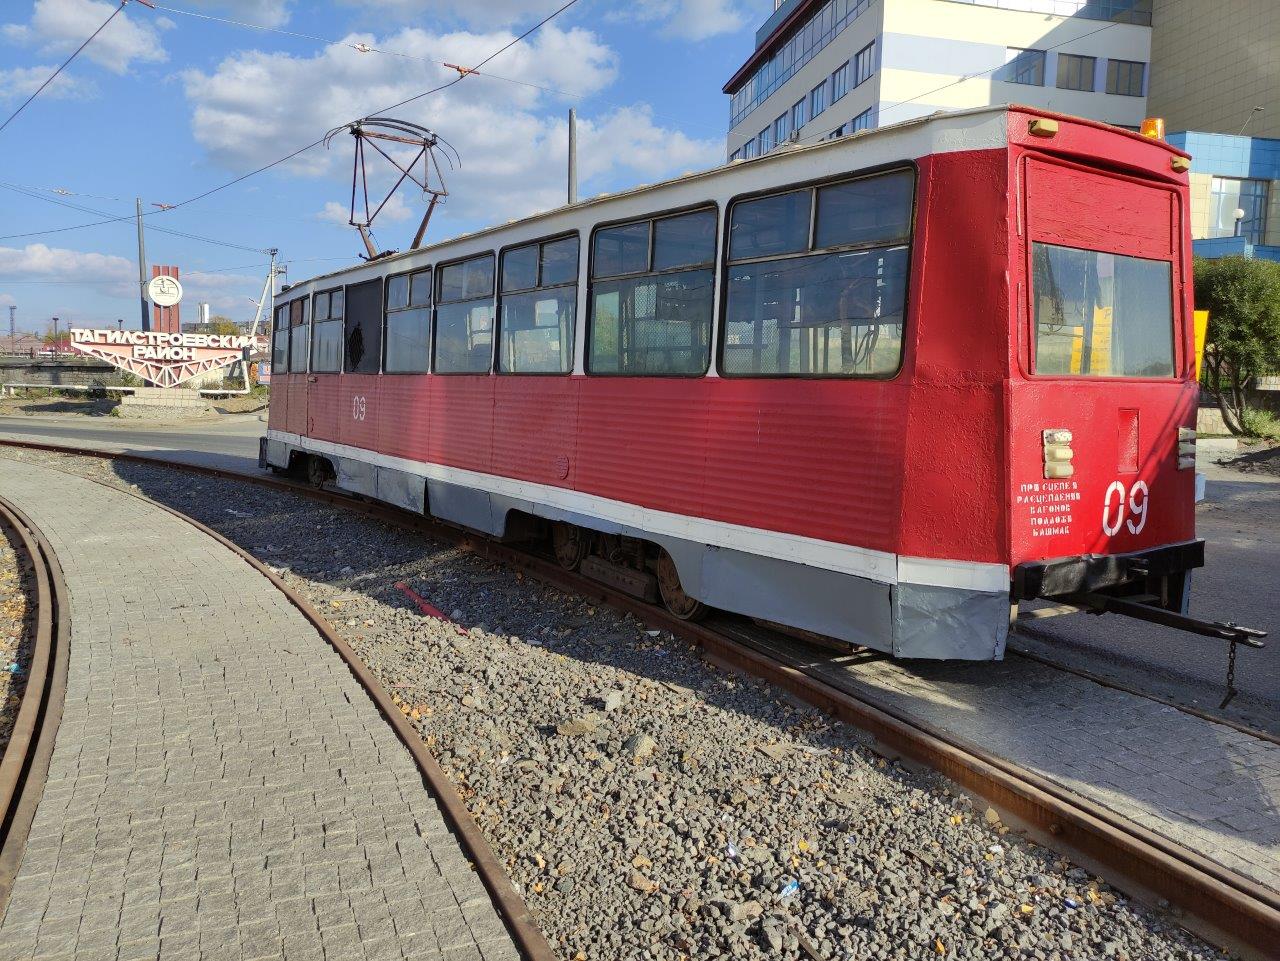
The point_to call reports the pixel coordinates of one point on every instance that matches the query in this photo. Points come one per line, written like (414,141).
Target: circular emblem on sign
(164,291)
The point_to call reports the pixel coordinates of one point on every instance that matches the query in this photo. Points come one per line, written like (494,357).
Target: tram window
(1100,314)
(770,225)
(362,326)
(535,327)
(280,341)
(326,333)
(397,292)
(464,317)
(621,250)
(420,289)
(867,211)
(658,323)
(520,268)
(299,335)
(408,325)
(825,310)
(559,262)
(684,241)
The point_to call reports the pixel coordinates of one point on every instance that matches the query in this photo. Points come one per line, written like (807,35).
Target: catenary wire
(63,66)
(362,47)
(462,75)
(102,213)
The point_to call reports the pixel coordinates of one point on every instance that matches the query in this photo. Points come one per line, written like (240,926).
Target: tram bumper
(1159,575)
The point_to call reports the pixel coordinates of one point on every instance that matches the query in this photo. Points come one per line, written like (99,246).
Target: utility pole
(13,327)
(55,337)
(268,295)
(142,273)
(573,156)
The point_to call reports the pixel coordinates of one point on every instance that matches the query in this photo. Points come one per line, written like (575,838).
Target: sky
(166,104)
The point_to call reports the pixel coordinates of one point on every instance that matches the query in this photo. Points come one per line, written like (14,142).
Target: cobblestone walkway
(221,786)
(1206,786)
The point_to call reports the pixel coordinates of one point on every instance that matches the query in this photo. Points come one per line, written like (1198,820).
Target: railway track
(25,764)
(1204,896)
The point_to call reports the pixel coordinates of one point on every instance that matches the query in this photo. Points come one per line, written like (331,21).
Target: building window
(1024,66)
(1124,77)
(1076,72)
(749,149)
(817,100)
(782,128)
(799,117)
(824,299)
(766,140)
(362,327)
(1229,194)
(464,316)
(299,335)
(408,332)
(864,64)
(326,332)
(840,82)
(840,131)
(736,155)
(864,120)
(651,295)
(536,308)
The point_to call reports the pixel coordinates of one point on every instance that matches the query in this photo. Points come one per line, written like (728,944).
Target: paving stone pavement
(221,787)
(1206,786)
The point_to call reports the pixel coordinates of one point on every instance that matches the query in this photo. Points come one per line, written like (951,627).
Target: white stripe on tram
(882,566)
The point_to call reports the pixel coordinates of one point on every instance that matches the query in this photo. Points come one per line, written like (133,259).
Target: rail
(1204,896)
(25,764)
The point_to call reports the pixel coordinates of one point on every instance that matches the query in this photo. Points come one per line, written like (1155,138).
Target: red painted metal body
(934,462)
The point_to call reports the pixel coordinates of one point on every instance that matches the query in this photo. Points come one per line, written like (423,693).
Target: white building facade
(825,68)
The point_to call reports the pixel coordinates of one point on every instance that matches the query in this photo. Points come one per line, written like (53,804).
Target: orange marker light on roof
(1153,127)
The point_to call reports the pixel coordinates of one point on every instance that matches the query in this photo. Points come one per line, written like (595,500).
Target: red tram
(880,388)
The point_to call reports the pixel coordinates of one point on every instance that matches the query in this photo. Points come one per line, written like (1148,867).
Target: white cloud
(511,138)
(114,276)
(265,13)
(396,208)
(59,26)
(688,19)
(21,82)
(680,19)
(227,294)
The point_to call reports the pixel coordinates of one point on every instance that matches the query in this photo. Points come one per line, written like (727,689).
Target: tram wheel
(673,596)
(569,544)
(317,471)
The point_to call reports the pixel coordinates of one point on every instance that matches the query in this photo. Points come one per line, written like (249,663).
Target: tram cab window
(326,333)
(819,296)
(464,316)
(652,285)
(299,335)
(362,326)
(1100,314)
(280,341)
(537,306)
(408,323)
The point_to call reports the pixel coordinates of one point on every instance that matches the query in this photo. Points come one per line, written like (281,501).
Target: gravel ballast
(17,629)
(646,803)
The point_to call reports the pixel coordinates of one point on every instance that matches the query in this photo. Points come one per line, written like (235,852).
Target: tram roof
(778,156)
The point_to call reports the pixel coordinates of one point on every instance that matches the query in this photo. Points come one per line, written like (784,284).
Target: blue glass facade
(1242,168)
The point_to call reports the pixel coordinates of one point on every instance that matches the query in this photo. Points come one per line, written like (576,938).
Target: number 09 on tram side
(881,388)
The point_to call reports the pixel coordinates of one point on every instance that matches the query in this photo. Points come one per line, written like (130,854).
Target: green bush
(1260,423)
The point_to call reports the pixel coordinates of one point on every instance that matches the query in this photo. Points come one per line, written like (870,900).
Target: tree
(1242,296)
(218,324)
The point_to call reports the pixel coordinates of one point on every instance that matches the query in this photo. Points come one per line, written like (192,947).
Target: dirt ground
(103,406)
(1258,459)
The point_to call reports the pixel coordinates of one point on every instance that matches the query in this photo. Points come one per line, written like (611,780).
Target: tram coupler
(1227,631)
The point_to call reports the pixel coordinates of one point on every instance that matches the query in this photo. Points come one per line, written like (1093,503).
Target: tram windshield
(1102,315)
